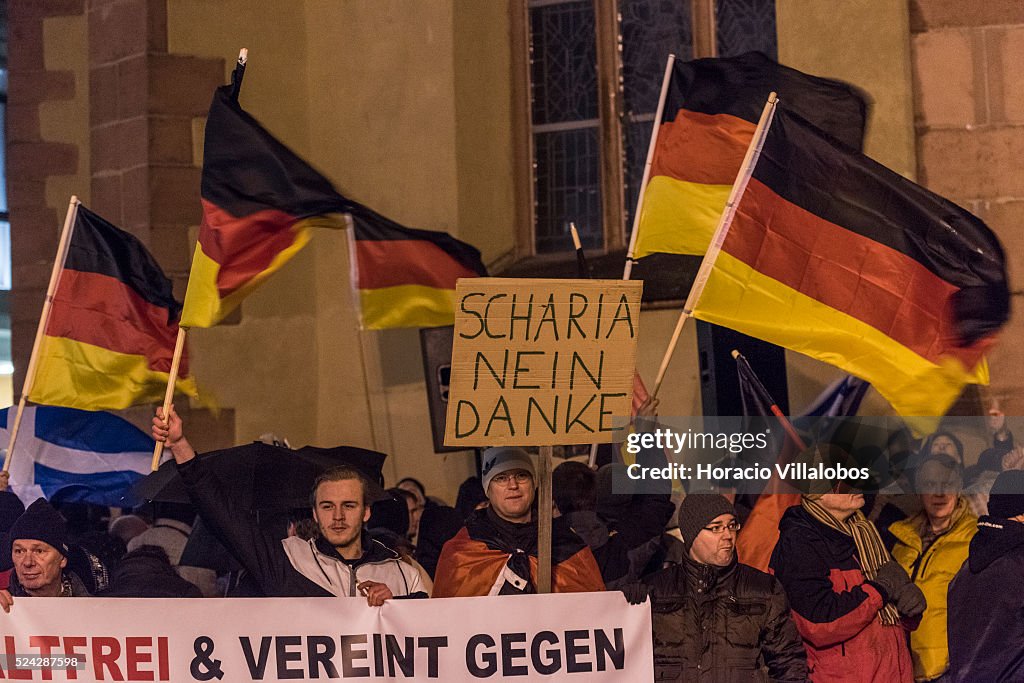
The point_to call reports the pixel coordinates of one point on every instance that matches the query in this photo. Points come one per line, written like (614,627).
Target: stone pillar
(968,69)
(31,159)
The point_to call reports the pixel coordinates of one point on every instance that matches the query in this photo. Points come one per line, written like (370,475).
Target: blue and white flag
(98,455)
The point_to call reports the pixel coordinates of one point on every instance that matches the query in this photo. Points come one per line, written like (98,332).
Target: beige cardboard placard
(541,362)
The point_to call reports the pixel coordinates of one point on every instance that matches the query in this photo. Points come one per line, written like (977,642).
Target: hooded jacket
(835,609)
(932,570)
(723,624)
(985,609)
(492,556)
(292,567)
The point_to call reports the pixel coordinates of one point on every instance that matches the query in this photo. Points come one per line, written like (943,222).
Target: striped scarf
(870,549)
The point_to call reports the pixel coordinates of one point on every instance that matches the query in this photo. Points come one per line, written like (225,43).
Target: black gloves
(636,593)
(910,601)
(890,579)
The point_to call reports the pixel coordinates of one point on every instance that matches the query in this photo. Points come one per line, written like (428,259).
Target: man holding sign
(534,363)
(496,552)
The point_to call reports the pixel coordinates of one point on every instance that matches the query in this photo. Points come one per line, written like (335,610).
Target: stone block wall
(968,72)
(143,108)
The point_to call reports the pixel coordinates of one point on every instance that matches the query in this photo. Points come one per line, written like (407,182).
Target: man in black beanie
(714,617)
(38,547)
(986,631)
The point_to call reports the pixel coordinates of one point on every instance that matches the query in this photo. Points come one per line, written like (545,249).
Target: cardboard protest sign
(541,362)
(586,637)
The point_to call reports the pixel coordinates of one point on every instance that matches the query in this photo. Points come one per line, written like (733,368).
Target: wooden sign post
(541,363)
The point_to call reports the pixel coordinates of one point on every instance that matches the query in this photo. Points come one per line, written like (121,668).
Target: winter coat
(492,556)
(146,572)
(932,571)
(292,567)
(985,608)
(723,624)
(834,608)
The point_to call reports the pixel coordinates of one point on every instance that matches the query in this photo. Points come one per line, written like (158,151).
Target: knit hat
(502,459)
(1006,499)
(11,508)
(696,512)
(41,522)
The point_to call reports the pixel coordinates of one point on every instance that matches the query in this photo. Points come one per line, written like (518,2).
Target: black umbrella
(264,477)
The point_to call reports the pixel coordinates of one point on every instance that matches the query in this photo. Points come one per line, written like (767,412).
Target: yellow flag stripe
(203,305)
(740,297)
(78,375)
(407,306)
(679,217)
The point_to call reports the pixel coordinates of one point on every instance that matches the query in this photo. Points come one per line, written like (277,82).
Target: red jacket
(834,608)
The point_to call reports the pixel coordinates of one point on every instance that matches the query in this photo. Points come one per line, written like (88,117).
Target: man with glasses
(496,552)
(714,618)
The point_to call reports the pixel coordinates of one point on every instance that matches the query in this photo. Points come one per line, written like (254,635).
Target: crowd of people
(903,587)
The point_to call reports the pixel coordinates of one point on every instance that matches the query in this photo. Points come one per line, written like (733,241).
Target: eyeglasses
(505,478)
(719,529)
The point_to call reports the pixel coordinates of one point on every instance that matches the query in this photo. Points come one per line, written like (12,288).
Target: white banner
(589,637)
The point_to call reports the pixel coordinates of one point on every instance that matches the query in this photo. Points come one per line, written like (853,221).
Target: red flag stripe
(102,311)
(423,263)
(244,247)
(877,285)
(702,148)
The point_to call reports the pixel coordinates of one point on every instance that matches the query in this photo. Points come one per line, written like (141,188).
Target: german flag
(406,277)
(711,111)
(109,339)
(260,202)
(835,256)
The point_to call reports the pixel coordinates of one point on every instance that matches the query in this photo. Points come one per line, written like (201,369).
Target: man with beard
(714,618)
(496,552)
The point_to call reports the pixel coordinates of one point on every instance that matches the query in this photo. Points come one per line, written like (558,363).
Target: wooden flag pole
(584,273)
(544,515)
(647,165)
(44,318)
(360,332)
(172,378)
(738,187)
(239,73)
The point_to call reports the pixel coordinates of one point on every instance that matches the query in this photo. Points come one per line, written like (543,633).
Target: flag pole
(742,178)
(583,270)
(628,269)
(179,345)
(239,73)
(172,378)
(353,271)
(44,318)
(787,426)
(544,521)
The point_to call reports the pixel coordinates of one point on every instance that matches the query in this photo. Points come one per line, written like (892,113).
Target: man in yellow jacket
(931,546)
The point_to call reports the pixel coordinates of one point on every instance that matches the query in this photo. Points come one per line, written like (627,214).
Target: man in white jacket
(342,561)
